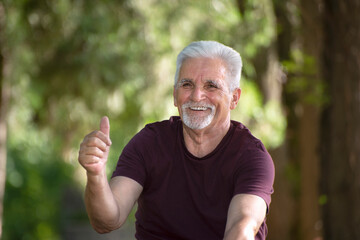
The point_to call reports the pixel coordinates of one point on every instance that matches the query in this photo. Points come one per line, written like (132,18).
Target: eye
(186,84)
(211,85)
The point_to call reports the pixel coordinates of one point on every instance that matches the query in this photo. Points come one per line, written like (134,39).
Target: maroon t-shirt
(185,197)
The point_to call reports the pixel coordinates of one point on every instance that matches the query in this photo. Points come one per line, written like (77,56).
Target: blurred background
(64,64)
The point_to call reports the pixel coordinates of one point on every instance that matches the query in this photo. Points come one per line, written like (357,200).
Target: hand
(94,150)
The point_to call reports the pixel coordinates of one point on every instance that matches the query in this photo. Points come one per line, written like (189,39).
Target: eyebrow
(188,80)
(184,80)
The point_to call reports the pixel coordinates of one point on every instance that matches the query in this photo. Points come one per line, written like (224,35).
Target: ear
(235,98)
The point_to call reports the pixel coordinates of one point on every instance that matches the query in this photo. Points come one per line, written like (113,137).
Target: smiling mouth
(198,108)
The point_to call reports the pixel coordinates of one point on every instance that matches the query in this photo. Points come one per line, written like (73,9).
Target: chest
(178,180)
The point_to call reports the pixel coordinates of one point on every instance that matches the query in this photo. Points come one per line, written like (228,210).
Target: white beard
(197,122)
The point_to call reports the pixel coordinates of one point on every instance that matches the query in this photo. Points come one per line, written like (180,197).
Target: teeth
(198,108)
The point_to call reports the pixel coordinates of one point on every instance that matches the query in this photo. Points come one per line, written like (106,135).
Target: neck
(201,142)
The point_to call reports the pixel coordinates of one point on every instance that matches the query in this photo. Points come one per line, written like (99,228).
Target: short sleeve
(131,161)
(255,175)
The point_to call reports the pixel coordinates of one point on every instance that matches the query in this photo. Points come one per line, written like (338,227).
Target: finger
(92,151)
(99,140)
(105,126)
(86,160)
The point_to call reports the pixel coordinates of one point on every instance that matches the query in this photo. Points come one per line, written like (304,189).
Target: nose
(197,94)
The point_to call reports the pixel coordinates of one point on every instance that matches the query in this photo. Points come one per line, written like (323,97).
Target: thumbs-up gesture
(94,150)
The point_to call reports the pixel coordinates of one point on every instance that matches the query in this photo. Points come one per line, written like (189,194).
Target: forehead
(204,68)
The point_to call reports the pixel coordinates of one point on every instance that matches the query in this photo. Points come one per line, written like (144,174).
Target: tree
(312,61)
(311,101)
(340,138)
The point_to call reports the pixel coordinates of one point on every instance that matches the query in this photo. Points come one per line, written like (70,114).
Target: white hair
(212,49)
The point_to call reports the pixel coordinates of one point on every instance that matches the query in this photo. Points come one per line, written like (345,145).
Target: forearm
(244,229)
(245,215)
(101,205)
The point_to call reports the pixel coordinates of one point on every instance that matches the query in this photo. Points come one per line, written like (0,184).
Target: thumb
(105,126)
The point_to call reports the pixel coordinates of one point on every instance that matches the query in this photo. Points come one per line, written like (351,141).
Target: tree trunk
(284,217)
(309,119)
(340,161)
(303,115)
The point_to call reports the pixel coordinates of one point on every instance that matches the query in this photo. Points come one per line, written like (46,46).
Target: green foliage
(34,188)
(33,196)
(36,176)
(266,122)
(302,71)
(323,199)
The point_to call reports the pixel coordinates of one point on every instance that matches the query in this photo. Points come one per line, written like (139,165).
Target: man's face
(202,93)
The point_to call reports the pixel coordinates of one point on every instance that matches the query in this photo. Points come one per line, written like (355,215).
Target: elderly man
(198,176)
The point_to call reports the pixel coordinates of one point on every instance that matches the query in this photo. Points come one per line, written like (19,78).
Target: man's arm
(107,205)
(245,216)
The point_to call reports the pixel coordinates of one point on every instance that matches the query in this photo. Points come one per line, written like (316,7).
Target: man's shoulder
(244,136)
(156,134)
(165,128)
(171,123)
(241,131)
